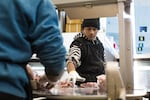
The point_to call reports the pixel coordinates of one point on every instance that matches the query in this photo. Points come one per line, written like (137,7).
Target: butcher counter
(82,94)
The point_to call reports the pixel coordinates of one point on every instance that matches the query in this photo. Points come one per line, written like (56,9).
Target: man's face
(90,32)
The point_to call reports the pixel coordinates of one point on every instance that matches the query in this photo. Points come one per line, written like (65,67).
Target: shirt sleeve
(46,38)
(74,55)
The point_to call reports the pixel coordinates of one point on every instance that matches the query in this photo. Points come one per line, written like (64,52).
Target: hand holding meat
(74,76)
(45,83)
(101,80)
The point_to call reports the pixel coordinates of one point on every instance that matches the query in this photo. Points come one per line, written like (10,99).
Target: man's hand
(101,80)
(74,76)
(42,82)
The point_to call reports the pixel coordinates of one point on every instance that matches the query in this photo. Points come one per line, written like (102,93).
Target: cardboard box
(73,21)
(73,27)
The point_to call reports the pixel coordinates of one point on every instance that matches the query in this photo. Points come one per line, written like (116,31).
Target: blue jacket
(27,27)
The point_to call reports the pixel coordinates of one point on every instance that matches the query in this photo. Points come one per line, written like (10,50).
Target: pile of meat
(65,84)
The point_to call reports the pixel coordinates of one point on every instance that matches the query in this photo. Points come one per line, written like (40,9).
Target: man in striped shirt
(85,60)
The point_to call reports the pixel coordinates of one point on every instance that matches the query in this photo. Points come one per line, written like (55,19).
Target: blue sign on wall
(143,29)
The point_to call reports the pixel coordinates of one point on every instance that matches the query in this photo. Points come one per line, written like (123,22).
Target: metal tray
(72,94)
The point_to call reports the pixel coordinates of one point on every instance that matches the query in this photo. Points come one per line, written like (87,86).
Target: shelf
(79,9)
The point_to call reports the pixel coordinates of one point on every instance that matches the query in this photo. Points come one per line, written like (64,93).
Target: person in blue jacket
(28,27)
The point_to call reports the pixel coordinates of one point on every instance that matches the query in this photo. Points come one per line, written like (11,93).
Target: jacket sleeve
(46,39)
(74,55)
